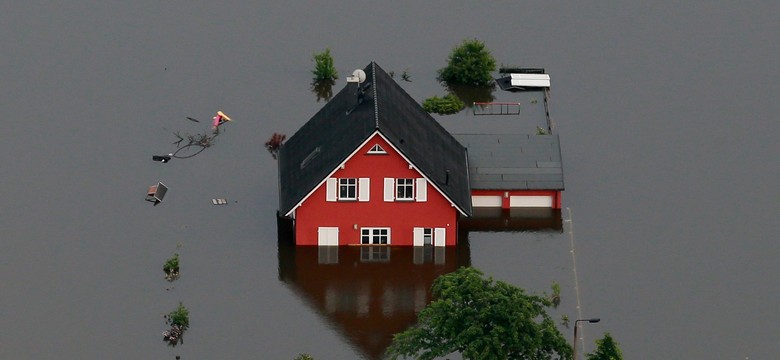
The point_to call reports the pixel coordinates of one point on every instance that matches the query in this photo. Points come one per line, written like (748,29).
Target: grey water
(667,115)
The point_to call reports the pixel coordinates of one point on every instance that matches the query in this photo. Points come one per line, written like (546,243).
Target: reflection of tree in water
(470,94)
(323,89)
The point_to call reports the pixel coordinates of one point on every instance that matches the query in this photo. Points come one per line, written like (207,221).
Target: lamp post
(576,325)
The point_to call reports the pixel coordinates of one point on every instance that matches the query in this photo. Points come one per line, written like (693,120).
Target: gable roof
(354,114)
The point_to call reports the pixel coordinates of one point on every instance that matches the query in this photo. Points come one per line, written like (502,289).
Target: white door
(328,236)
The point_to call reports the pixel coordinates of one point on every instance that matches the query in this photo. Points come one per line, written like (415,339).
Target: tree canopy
(481,319)
(470,63)
(606,349)
(323,66)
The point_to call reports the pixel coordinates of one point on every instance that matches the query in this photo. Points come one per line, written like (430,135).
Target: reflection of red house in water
(373,168)
(367,293)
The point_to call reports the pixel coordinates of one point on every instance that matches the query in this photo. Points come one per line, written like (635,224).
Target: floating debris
(220,119)
(219,201)
(156,193)
(174,336)
(162,158)
(195,144)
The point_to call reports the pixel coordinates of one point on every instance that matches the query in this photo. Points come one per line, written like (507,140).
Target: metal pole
(576,323)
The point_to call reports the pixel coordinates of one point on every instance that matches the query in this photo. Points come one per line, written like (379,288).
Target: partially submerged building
(373,168)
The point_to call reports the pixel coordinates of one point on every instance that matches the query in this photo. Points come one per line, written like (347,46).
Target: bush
(449,104)
(469,64)
(323,67)
(179,317)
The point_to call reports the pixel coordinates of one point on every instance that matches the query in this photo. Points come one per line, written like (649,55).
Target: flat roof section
(513,161)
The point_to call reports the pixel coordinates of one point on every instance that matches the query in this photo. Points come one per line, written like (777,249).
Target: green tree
(179,317)
(449,104)
(606,349)
(481,319)
(323,67)
(470,63)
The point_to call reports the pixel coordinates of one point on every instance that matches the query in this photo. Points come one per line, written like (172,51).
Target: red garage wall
(351,216)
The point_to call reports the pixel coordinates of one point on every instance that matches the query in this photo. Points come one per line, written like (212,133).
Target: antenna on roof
(358,76)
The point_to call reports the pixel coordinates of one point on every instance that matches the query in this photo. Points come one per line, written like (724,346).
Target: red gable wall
(401,217)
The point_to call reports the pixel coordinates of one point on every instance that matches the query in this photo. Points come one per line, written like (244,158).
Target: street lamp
(576,325)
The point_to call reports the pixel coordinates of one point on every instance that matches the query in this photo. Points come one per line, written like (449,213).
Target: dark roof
(514,161)
(347,120)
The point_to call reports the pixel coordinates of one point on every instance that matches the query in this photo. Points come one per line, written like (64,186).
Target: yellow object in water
(220,113)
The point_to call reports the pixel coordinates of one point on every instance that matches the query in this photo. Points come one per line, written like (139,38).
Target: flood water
(668,123)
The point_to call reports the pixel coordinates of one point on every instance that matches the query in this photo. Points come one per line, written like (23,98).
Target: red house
(373,168)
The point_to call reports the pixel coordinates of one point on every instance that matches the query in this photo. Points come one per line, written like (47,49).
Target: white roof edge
(376,132)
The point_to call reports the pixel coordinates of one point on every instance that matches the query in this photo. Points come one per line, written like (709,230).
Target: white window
(429,236)
(375,236)
(377,149)
(347,189)
(406,189)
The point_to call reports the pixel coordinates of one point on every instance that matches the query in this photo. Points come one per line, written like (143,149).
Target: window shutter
(439,235)
(363,189)
(389,189)
(330,191)
(421,188)
(418,236)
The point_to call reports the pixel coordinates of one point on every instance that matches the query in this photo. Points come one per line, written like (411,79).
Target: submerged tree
(470,63)
(179,321)
(481,319)
(449,104)
(323,66)
(171,268)
(606,349)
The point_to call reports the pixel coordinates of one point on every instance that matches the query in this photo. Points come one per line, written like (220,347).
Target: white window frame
(375,232)
(345,185)
(437,236)
(417,190)
(334,186)
(404,189)
(377,150)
